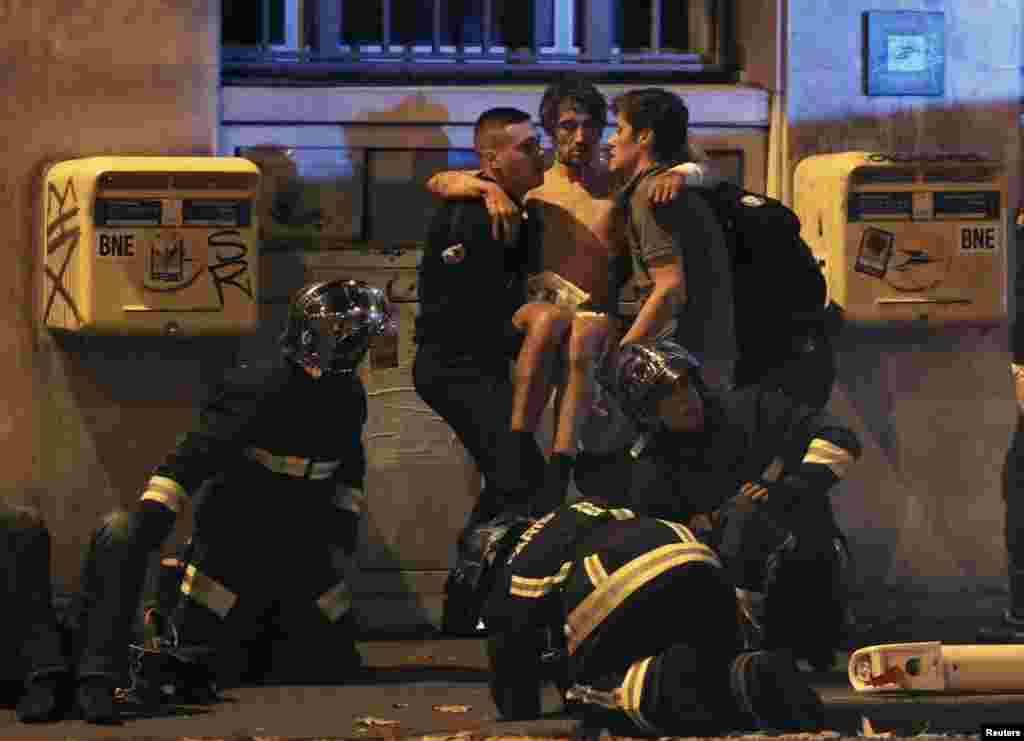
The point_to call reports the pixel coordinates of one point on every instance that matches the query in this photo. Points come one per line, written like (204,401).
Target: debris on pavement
(453,708)
(369,721)
(868,730)
(458,736)
(400,705)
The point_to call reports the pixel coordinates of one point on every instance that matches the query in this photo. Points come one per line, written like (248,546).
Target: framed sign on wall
(905,53)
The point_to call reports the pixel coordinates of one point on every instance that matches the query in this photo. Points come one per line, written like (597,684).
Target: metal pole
(265,12)
(701,25)
(535,31)
(598,30)
(437,27)
(655,26)
(329,27)
(386,43)
(485,41)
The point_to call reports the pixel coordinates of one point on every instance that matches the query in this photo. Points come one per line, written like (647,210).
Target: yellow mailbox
(150,245)
(908,239)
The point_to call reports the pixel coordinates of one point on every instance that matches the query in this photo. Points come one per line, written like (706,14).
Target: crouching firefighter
(645,619)
(279,446)
(753,468)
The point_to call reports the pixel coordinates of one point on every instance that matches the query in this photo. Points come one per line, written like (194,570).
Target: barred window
(683,36)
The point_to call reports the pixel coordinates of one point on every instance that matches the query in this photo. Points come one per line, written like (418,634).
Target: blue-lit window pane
(242,22)
(362,21)
(632,30)
(412,22)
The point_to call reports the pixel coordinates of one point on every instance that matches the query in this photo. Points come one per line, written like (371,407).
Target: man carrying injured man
(280,447)
(573,208)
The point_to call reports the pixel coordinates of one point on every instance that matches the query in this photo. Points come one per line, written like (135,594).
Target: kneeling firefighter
(635,617)
(279,447)
(753,468)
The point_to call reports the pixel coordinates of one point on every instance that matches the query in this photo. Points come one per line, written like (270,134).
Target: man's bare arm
(457,184)
(505,214)
(663,304)
(669,184)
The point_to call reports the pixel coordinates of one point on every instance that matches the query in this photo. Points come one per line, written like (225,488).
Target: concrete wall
(81,424)
(934,409)
(760,42)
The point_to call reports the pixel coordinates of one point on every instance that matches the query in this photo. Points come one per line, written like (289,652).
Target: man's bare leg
(546,327)
(589,336)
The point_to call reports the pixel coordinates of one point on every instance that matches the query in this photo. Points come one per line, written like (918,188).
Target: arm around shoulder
(457,184)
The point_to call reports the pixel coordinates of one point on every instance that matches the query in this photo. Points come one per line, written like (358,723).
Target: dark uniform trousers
(1013,493)
(472,392)
(806,371)
(1013,472)
(650,622)
(31,645)
(261,585)
(466,341)
(267,530)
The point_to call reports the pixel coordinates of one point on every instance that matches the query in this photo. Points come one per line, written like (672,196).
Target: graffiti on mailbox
(231,268)
(62,229)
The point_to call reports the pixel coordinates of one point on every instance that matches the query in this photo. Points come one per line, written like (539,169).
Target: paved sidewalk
(436,690)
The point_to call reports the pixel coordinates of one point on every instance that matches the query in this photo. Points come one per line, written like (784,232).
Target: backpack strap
(455,224)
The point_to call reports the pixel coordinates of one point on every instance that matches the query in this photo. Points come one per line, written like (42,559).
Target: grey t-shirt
(687,227)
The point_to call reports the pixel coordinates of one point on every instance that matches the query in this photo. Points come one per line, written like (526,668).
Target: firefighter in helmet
(279,448)
(752,468)
(634,619)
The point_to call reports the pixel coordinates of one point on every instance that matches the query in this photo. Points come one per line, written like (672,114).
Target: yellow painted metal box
(908,239)
(150,245)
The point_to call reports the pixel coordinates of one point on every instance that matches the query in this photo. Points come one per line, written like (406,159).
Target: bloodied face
(577,136)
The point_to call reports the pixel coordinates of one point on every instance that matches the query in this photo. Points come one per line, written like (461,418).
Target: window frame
(300,57)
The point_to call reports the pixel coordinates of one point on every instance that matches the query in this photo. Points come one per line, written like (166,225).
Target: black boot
(95,699)
(42,701)
(771,693)
(514,459)
(556,484)
(1010,630)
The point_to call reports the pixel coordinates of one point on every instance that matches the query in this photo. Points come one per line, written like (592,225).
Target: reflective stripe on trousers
(625,698)
(336,601)
(207,592)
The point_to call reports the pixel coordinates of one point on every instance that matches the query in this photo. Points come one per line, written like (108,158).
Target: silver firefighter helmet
(641,374)
(481,553)
(330,324)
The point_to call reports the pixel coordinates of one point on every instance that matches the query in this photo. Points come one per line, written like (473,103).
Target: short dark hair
(492,123)
(664,114)
(576,90)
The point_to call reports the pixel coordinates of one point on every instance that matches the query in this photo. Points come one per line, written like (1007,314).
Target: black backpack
(778,286)
(779,289)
